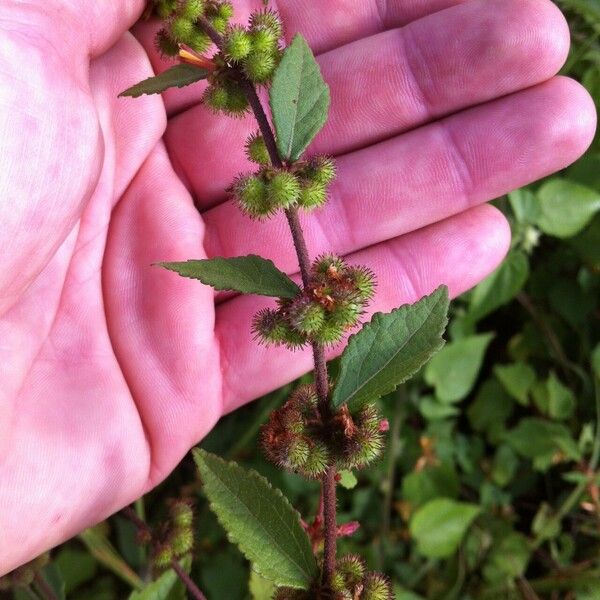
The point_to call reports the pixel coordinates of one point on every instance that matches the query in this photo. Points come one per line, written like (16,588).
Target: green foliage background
(489,487)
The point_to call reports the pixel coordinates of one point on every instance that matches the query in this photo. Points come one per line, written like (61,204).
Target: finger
(458,252)
(324,26)
(425,175)
(151,314)
(392,82)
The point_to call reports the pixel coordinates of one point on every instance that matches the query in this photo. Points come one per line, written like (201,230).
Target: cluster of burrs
(351,581)
(252,52)
(297,439)
(329,306)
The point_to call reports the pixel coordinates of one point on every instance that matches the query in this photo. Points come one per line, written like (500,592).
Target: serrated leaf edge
(231,537)
(378,317)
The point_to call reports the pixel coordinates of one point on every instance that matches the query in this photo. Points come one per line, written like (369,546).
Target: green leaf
(517,379)
(504,465)
(587,244)
(260,588)
(453,371)
(554,399)
(247,274)
(508,558)
(434,410)
(543,442)
(299,99)
(104,552)
(566,207)
(524,205)
(260,520)
(177,76)
(440,525)
(490,409)
(347,479)
(500,287)
(390,349)
(420,487)
(596,360)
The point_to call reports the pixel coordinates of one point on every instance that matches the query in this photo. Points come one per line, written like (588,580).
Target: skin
(111,369)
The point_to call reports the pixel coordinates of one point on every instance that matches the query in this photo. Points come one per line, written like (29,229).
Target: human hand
(111,369)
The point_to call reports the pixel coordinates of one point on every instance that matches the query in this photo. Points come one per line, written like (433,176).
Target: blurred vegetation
(502,424)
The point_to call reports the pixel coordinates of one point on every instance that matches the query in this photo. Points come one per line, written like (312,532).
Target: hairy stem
(320,366)
(192,588)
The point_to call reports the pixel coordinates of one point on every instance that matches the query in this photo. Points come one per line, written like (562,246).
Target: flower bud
(256,150)
(237,44)
(270,327)
(251,193)
(192,9)
(260,66)
(165,44)
(226,97)
(377,587)
(345,314)
(283,189)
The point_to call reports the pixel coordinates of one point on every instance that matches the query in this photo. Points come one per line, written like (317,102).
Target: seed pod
(192,9)
(163,556)
(264,40)
(377,587)
(317,461)
(328,263)
(182,515)
(165,8)
(260,66)
(182,30)
(251,193)
(219,23)
(165,44)
(199,41)
(329,334)
(237,44)
(312,195)
(267,20)
(322,169)
(182,542)
(256,150)
(352,568)
(364,282)
(345,314)
(225,10)
(283,189)
(307,316)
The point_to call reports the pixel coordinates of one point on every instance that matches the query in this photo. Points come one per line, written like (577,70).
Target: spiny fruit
(237,44)
(256,149)
(335,297)
(297,439)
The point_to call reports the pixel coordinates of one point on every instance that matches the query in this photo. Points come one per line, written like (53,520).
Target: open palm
(110,369)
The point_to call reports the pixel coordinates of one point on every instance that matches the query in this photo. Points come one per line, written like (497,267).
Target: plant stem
(192,588)
(44,588)
(320,366)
